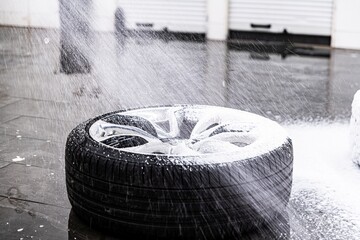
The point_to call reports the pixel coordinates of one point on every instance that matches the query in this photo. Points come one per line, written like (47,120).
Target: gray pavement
(310,96)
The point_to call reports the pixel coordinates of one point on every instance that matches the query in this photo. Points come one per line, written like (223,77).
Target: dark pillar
(75,36)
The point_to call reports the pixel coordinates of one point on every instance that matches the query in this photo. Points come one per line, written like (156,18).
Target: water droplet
(46,40)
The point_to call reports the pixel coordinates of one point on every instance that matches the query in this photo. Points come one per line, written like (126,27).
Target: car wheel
(179,172)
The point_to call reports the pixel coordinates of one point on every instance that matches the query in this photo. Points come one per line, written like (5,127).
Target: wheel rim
(182,131)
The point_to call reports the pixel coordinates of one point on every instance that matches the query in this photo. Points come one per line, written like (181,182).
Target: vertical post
(345,24)
(217,23)
(75,36)
(355,129)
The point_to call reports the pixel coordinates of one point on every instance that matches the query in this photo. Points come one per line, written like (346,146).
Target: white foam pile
(355,128)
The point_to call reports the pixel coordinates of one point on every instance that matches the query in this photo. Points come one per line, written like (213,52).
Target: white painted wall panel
(29,13)
(14,19)
(45,13)
(14,12)
(175,15)
(313,17)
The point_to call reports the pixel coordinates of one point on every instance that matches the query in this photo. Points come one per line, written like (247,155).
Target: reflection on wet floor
(273,80)
(308,90)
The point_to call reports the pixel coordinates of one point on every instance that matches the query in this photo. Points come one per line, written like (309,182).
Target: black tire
(279,229)
(151,197)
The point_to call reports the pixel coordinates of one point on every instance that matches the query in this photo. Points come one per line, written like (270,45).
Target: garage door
(312,17)
(174,15)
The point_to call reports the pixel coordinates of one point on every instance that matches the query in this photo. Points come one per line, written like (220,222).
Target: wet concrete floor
(309,91)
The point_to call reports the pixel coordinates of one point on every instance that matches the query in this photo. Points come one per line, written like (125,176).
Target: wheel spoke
(234,137)
(161,117)
(217,128)
(225,141)
(205,126)
(105,130)
(151,148)
(169,117)
(204,134)
(214,146)
(174,129)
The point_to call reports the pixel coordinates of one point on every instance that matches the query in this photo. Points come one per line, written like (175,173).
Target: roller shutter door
(174,15)
(310,17)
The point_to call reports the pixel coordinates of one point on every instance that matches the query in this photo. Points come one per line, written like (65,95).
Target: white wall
(355,129)
(14,12)
(34,13)
(45,13)
(346,24)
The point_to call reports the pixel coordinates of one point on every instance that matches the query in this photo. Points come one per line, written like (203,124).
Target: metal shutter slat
(175,15)
(298,17)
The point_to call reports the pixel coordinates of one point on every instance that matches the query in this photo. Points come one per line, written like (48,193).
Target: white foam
(270,135)
(321,163)
(355,128)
